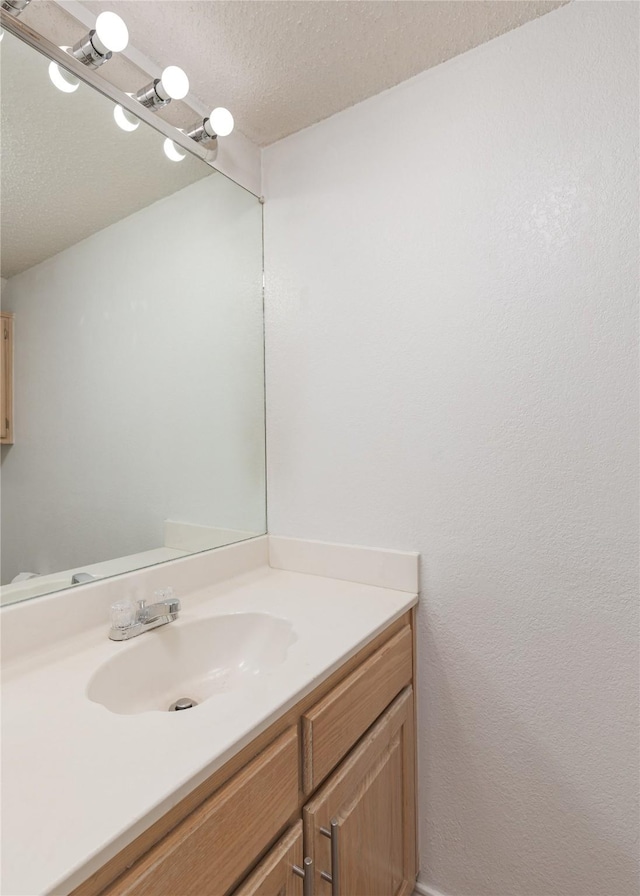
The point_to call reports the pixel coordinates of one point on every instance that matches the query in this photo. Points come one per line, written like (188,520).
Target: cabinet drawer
(332,726)
(274,875)
(212,848)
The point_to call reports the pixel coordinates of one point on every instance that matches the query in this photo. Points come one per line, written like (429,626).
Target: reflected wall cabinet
(6,382)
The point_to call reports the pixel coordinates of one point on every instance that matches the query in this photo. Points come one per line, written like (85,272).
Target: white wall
(451,313)
(138,384)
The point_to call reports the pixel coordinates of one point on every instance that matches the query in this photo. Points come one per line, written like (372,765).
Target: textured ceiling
(67,170)
(281,66)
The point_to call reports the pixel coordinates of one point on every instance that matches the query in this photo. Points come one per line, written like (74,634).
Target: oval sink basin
(198,660)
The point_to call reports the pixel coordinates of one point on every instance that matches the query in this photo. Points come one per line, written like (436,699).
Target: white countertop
(80,782)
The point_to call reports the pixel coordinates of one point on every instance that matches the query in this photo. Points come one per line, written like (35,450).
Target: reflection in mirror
(134,286)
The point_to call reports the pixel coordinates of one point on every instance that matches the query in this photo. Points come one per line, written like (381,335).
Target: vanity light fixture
(62,79)
(218,124)
(125,119)
(173,84)
(108,37)
(172,152)
(15,7)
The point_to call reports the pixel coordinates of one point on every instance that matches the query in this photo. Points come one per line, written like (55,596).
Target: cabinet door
(360,828)
(275,876)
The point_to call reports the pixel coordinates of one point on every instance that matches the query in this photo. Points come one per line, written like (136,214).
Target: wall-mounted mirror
(134,286)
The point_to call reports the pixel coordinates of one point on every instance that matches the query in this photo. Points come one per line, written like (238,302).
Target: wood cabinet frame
(6,378)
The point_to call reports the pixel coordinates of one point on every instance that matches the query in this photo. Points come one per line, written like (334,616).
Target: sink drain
(183,703)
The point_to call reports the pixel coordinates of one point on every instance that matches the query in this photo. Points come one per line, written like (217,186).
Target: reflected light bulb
(173,85)
(111,34)
(125,119)
(62,79)
(172,152)
(221,121)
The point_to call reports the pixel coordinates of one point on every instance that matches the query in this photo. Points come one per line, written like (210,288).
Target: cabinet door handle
(306,873)
(334,877)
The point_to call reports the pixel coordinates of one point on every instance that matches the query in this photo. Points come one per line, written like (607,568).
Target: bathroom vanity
(332,782)
(297,778)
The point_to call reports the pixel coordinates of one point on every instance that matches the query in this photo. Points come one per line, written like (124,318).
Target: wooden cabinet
(278,874)
(6,379)
(360,828)
(359,831)
(322,802)
(334,724)
(205,854)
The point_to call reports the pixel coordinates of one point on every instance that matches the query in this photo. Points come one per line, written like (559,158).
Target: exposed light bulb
(62,79)
(172,152)
(125,119)
(173,84)
(108,37)
(111,33)
(1,33)
(221,122)
(218,124)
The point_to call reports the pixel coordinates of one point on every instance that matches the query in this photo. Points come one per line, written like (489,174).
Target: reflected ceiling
(64,151)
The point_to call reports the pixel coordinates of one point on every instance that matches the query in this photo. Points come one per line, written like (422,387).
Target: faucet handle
(123,614)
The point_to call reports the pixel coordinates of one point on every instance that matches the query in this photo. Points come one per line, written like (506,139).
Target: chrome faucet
(128,621)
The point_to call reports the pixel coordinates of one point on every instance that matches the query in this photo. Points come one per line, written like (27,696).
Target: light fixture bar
(21,30)
(81,14)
